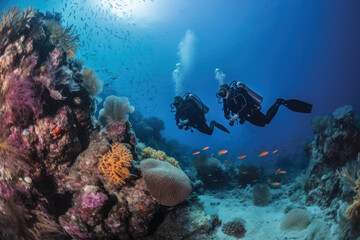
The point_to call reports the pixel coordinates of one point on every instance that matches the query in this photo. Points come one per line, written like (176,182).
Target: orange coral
(114,164)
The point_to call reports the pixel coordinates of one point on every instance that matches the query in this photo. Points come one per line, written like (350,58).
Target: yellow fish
(242,156)
(196,153)
(222,152)
(263,153)
(205,148)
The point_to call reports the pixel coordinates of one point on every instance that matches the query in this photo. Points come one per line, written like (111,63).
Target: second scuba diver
(245,105)
(190,113)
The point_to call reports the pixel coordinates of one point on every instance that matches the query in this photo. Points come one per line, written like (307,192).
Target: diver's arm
(226,111)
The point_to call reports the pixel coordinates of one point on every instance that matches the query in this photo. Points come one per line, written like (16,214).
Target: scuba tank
(197,101)
(254,97)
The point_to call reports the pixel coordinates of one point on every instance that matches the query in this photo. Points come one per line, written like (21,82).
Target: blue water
(306,50)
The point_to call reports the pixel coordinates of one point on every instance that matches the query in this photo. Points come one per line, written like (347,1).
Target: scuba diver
(245,105)
(190,113)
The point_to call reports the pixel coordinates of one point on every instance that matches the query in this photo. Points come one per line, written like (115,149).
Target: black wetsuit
(239,102)
(188,110)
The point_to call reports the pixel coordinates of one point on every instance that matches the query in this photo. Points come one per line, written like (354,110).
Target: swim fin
(221,127)
(298,106)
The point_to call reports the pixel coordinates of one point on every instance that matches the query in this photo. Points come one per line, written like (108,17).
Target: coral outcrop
(332,179)
(62,176)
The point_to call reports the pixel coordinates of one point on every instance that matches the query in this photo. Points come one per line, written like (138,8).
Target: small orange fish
(226,160)
(274,151)
(143,208)
(277,154)
(255,180)
(259,170)
(277,170)
(269,180)
(244,172)
(222,152)
(282,172)
(196,153)
(263,153)
(170,208)
(242,156)
(276,183)
(205,148)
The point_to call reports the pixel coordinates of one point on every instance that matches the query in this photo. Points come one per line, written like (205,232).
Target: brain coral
(166,183)
(114,164)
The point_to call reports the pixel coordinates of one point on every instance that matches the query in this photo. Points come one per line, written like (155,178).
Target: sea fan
(63,36)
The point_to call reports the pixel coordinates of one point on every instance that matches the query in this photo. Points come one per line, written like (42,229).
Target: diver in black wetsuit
(245,105)
(190,113)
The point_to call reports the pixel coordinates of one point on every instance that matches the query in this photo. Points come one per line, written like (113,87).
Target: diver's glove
(182,124)
(233,119)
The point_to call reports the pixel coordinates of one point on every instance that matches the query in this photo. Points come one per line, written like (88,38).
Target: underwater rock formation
(334,171)
(187,221)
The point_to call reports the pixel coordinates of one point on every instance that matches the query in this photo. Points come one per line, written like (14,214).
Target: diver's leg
(204,128)
(270,114)
(257,118)
(219,126)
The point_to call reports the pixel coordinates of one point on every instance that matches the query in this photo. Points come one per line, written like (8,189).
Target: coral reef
(333,177)
(167,184)
(235,228)
(63,176)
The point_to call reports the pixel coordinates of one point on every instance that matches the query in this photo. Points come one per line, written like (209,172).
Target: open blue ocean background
(307,50)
